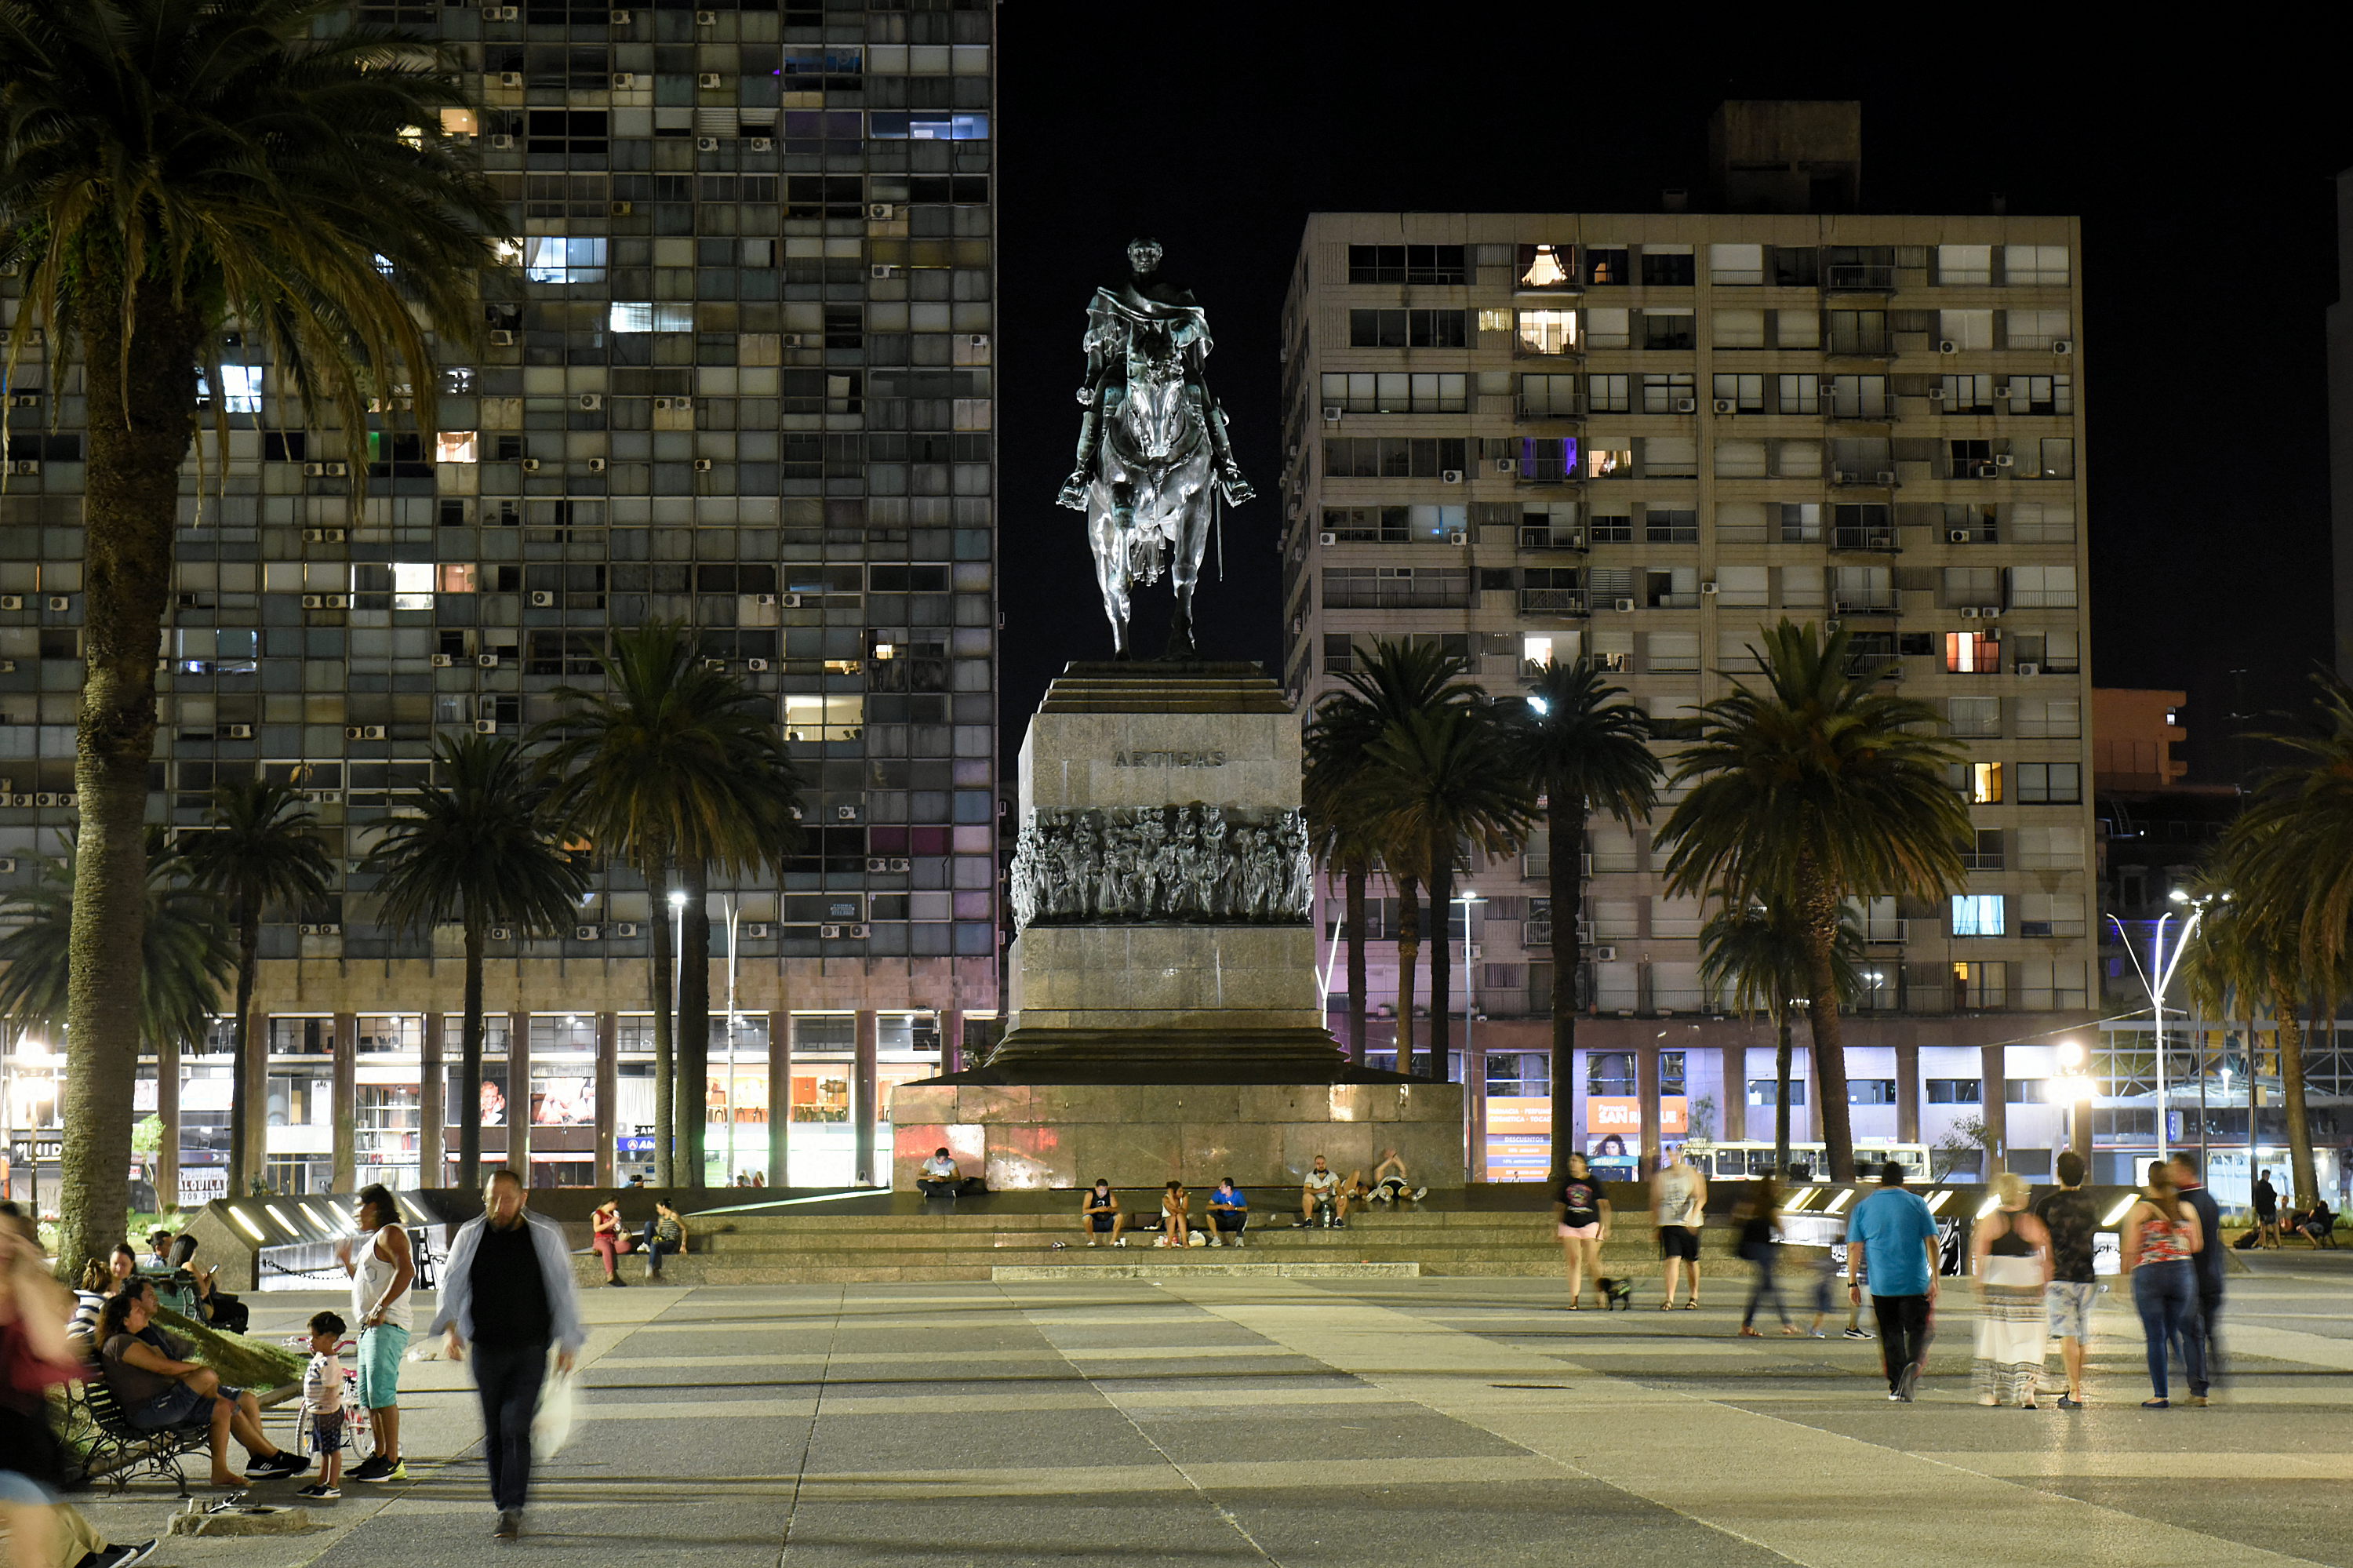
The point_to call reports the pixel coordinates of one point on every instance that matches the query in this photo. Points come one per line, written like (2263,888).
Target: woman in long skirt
(2010,1255)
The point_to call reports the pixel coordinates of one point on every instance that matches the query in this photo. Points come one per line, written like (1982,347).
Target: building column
(609,1094)
(167,1113)
(864,1109)
(1907,1093)
(257,1107)
(345,1176)
(780,1098)
(432,1103)
(952,1040)
(1994,1110)
(1475,1109)
(1734,1073)
(518,1094)
(1646,1084)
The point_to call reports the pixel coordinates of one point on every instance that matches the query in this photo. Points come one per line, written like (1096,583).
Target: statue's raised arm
(1152,453)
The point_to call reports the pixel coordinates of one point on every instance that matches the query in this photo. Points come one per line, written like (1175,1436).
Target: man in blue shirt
(1230,1211)
(1894,1230)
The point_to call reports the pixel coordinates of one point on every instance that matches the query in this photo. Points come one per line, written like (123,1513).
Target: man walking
(2266,1212)
(1894,1229)
(1678,1209)
(2206,1264)
(2071,1220)
(507,1290)
(381,1276)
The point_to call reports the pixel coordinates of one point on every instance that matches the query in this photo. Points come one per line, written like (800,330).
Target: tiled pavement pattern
(1356,1423)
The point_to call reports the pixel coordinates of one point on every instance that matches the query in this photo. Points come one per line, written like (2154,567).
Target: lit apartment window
(1980,985)
(823,718)
(1971,653)
(457,578)
(241,387)
(1547,267)
(456,446)
(1604,264)
(559,259)
(1536,651)
(644,315)
(1609,461)
(1547,331)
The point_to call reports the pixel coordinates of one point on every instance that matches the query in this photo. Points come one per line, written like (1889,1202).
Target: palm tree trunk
(1817,909)
(1441,951)
(1354,879)
(469,1063)
(168,1112)
(665,1023)
(245,1093)
(2299,1123)
(1564,871)
(693,1107)
(142,418)
(1408,955)
(1784,1058)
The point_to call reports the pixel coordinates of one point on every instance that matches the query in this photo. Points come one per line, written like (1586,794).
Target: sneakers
(396,1471)
(510,1524)
(319,1491)
(116,1556)
(1420,1193)
(1861,1334)
(2069,1401)
(279,1467)
(1237,1239)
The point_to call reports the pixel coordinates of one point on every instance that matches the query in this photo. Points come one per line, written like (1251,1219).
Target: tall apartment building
(1641,436)
(739,374)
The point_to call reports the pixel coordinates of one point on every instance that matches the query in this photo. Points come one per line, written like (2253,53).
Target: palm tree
(175,168)
(1756,957)
(1443,777)
(186,957)
(1809,788)
(1584,748)
(260,851)
(676,767)
(1391,680)
(476,847)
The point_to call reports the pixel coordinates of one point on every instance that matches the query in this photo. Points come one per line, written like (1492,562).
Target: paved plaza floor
(1211,1422)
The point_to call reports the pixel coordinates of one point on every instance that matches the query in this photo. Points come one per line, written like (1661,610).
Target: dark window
(1393,457)
(1871,1091)
(1406,329)
(1668,271)
(283,446)
(1955,1091)
(1407,264)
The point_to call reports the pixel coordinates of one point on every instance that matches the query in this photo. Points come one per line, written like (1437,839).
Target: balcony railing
(1867,606)
(1551,539)
(1853,277)
(1866,538)
(1551,601)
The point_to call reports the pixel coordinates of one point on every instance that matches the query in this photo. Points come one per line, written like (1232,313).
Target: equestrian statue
(1153,454)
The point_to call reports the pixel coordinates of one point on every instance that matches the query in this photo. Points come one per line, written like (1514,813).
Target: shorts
(178,1406)
(381,1348)
(326,1432)
(1393,1185)
(1581,1233)
(1103,1222)
(1679,1241)
(2069,1302)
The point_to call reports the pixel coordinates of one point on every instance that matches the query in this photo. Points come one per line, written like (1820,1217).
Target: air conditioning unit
(1624,603)
(21,400)
(624,80)
(510,78)
(587,933)
(1686,405)
(237,732)
(24,466)
(2030,669)
(542,600)
(795,340)
(322,536)
(706,143)
(1936,394)
(845,813)
(623,208)
(530,465)
(314,601)
(372,732)
(500,142)
(1968,612)
(625,927)
(788,601)
(1331,412)
(595,465)
(1958,537)
(499,14)
(60,603)
(487,660)
(499,933)
(1328,538)
(882,269)
(486,726)
(314,470)
(325,928)
(880,211)
(1946,345)
(1604,955)
(707,78)
(1989,612)
(1707,588)
(829,933)
(7,866)
(1724,406)
(900,864)
(1458,535)
(442,661)
(764,144)
(2003,459)
(1449,476)
(336,470)
(702,465)
(2001,394)
(12,601)
(592,400)
(1508,465)
(706,18)
(1984,470)
(757,666)
(351,732)
(875,863)
(623,18)
(673,404)
(500,338)
(44,800)
(2063,345)
(977,340)
(1885,477)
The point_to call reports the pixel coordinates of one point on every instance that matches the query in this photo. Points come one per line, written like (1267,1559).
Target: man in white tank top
(381,1272)
(1678,1209)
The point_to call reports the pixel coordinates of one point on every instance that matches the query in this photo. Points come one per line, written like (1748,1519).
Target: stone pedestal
(1165,1008)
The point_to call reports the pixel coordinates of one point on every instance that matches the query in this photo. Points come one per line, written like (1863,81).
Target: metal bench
(121,1453)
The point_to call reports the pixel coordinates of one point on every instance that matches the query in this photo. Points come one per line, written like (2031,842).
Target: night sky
(2203,178)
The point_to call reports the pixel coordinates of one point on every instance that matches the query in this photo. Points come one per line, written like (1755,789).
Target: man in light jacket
(507,1290)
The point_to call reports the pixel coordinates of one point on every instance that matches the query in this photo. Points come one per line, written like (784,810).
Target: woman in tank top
(2009,1254)
(2161,1233)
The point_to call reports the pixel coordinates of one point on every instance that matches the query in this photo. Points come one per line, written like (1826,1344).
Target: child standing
(323,1402)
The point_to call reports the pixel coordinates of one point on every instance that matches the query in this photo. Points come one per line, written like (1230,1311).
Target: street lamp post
(666,1138)
(1474,1072)
(2155,980)
(2076,1088)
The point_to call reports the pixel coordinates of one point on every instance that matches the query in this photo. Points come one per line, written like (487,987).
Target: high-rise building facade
(738,373)
(1643,435)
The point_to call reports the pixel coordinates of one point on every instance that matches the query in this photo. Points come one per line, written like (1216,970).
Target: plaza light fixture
(2156,978)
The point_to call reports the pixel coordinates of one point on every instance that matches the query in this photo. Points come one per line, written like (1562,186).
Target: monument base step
(1037,1273)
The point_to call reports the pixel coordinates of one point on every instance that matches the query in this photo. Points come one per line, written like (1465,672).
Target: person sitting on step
(940,1179)
(665,1233)
(1391,1184)
(1100,1216)
(1176,1216)
(1229,1213)
(1323,1200)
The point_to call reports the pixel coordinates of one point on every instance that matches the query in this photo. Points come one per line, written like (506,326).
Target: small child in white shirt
(323,1402)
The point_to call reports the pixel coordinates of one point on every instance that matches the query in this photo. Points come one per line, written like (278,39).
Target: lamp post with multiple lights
(2156,979)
